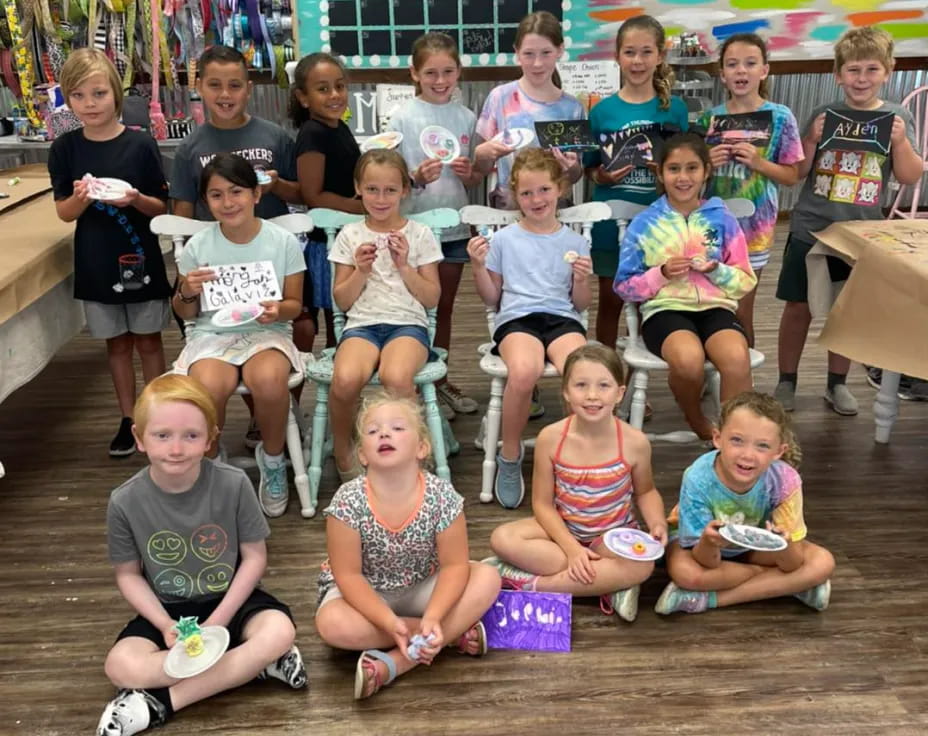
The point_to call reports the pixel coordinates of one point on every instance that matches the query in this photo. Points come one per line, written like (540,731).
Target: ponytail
(663,84)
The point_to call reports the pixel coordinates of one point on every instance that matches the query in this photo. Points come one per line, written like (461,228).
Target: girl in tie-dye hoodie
(685,261)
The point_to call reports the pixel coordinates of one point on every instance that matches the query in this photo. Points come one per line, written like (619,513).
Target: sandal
(480,636)
(366,675)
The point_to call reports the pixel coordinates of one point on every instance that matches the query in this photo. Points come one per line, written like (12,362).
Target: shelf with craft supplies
(138,36)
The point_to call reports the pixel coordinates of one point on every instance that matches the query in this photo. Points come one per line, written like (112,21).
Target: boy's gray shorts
(140,318)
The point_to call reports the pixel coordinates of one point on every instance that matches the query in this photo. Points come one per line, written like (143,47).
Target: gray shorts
(411,601)
(106,321)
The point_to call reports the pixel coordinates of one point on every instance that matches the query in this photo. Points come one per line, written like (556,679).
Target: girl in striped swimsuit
(589,468)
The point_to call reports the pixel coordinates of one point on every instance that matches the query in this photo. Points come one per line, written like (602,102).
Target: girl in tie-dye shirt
(749,479)
(751,163)
(685,261)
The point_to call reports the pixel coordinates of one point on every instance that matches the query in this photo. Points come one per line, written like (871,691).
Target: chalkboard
(485,29)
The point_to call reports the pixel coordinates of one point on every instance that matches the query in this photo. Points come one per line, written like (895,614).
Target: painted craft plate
(752,537)
(107,189)
(215,642)
(390,139)
(633,544)
(236,314)
(440,143)
(515,137)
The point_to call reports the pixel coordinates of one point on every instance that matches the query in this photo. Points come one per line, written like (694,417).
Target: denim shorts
(382,334)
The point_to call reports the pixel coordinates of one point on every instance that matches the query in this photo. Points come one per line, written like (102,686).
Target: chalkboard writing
(240,283)
(862,130)
(745,127)
(478,40)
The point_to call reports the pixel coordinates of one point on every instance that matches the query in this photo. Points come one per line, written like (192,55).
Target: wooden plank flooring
(763,668)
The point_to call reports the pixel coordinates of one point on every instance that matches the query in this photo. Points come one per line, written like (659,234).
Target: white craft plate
(734,533)
(441,143)
(115,189)
(215,642)
(223,317)
(390,139)
(612,540)
(517,137)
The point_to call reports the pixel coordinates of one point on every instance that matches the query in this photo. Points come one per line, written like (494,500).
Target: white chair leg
(433,420)
(886,406)
(625,405)
(494,420)
(298,463)
(639,398)
(715,390)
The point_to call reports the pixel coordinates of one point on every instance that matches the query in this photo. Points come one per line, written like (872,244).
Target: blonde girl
(398,563)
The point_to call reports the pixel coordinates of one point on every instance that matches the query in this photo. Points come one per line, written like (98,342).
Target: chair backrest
(181,228)
(579,218)
(916,102)
(331,221)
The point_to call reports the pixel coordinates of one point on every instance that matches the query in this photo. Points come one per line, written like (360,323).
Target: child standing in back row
(644,101)
(435,69)
(326,154)
(748,169)
(863,62)
(118,267)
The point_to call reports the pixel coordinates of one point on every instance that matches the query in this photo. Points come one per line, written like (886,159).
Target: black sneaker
(123,443)
(874,376)
(912,389)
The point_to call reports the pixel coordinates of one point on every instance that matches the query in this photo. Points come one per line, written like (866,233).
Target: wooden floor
(764,668)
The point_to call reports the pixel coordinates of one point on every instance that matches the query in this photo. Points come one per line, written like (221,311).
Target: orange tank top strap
(560,444)
(618,432)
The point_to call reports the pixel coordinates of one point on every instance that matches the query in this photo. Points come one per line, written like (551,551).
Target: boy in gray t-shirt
(186,538)
(840,185)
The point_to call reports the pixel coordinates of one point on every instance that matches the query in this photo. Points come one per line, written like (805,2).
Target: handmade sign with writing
(568,135)
(585,77)
(240,283)
(531,621)
(849,160)
(742,127)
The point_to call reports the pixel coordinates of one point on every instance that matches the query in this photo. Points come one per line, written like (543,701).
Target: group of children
(187,535)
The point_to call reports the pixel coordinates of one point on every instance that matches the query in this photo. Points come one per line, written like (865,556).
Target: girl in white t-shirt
(386,277)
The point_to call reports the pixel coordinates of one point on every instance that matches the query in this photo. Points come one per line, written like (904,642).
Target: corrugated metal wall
(801,93)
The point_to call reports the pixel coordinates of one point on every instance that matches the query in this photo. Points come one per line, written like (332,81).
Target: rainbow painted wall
(794,29)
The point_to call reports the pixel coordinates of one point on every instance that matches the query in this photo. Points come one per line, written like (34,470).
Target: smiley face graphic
(208,542)
(173,583)
(215,578)
(166,548)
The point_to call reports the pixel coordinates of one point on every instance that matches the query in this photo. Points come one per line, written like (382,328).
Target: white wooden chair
(642,361)
(489,220)
(320,372)
(179,229)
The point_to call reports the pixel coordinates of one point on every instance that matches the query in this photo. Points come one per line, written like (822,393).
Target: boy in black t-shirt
(118,267)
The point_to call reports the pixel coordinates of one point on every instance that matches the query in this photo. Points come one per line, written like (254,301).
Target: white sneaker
(623,603)
(273,492)
(131,712)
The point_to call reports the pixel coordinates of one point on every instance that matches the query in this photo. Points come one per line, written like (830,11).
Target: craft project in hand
(752,537)
(240,283)
(850,157)
(637,145)
(237,314)
(441,143)
(389,139)
(105,188)
(514,137)
(633,544)
(743,127)
(197,649)
(568,135)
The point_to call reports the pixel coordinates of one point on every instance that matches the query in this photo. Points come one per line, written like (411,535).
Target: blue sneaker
(273,493)
(816,597)
(675,598)
(510,486)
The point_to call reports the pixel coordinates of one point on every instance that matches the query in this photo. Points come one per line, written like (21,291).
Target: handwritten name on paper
(529,621)
(240,283)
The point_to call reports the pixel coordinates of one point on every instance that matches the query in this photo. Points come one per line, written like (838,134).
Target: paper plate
(633,544)
(237,314)
(752,537)
(440,143)
(515,137)
(107,189)
(390,139)
(215,642)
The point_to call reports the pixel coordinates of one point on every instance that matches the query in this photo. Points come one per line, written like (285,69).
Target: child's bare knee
(522,377)
(119,667)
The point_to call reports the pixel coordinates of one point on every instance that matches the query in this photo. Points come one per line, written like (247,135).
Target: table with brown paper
(879,316)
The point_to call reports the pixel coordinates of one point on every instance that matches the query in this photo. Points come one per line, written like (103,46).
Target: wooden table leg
(886,406)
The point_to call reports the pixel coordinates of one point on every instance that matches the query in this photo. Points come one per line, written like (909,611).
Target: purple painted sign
(538,622)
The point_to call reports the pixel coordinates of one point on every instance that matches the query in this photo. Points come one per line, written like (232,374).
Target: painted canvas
(568,135)
(537,622)
(745,127)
